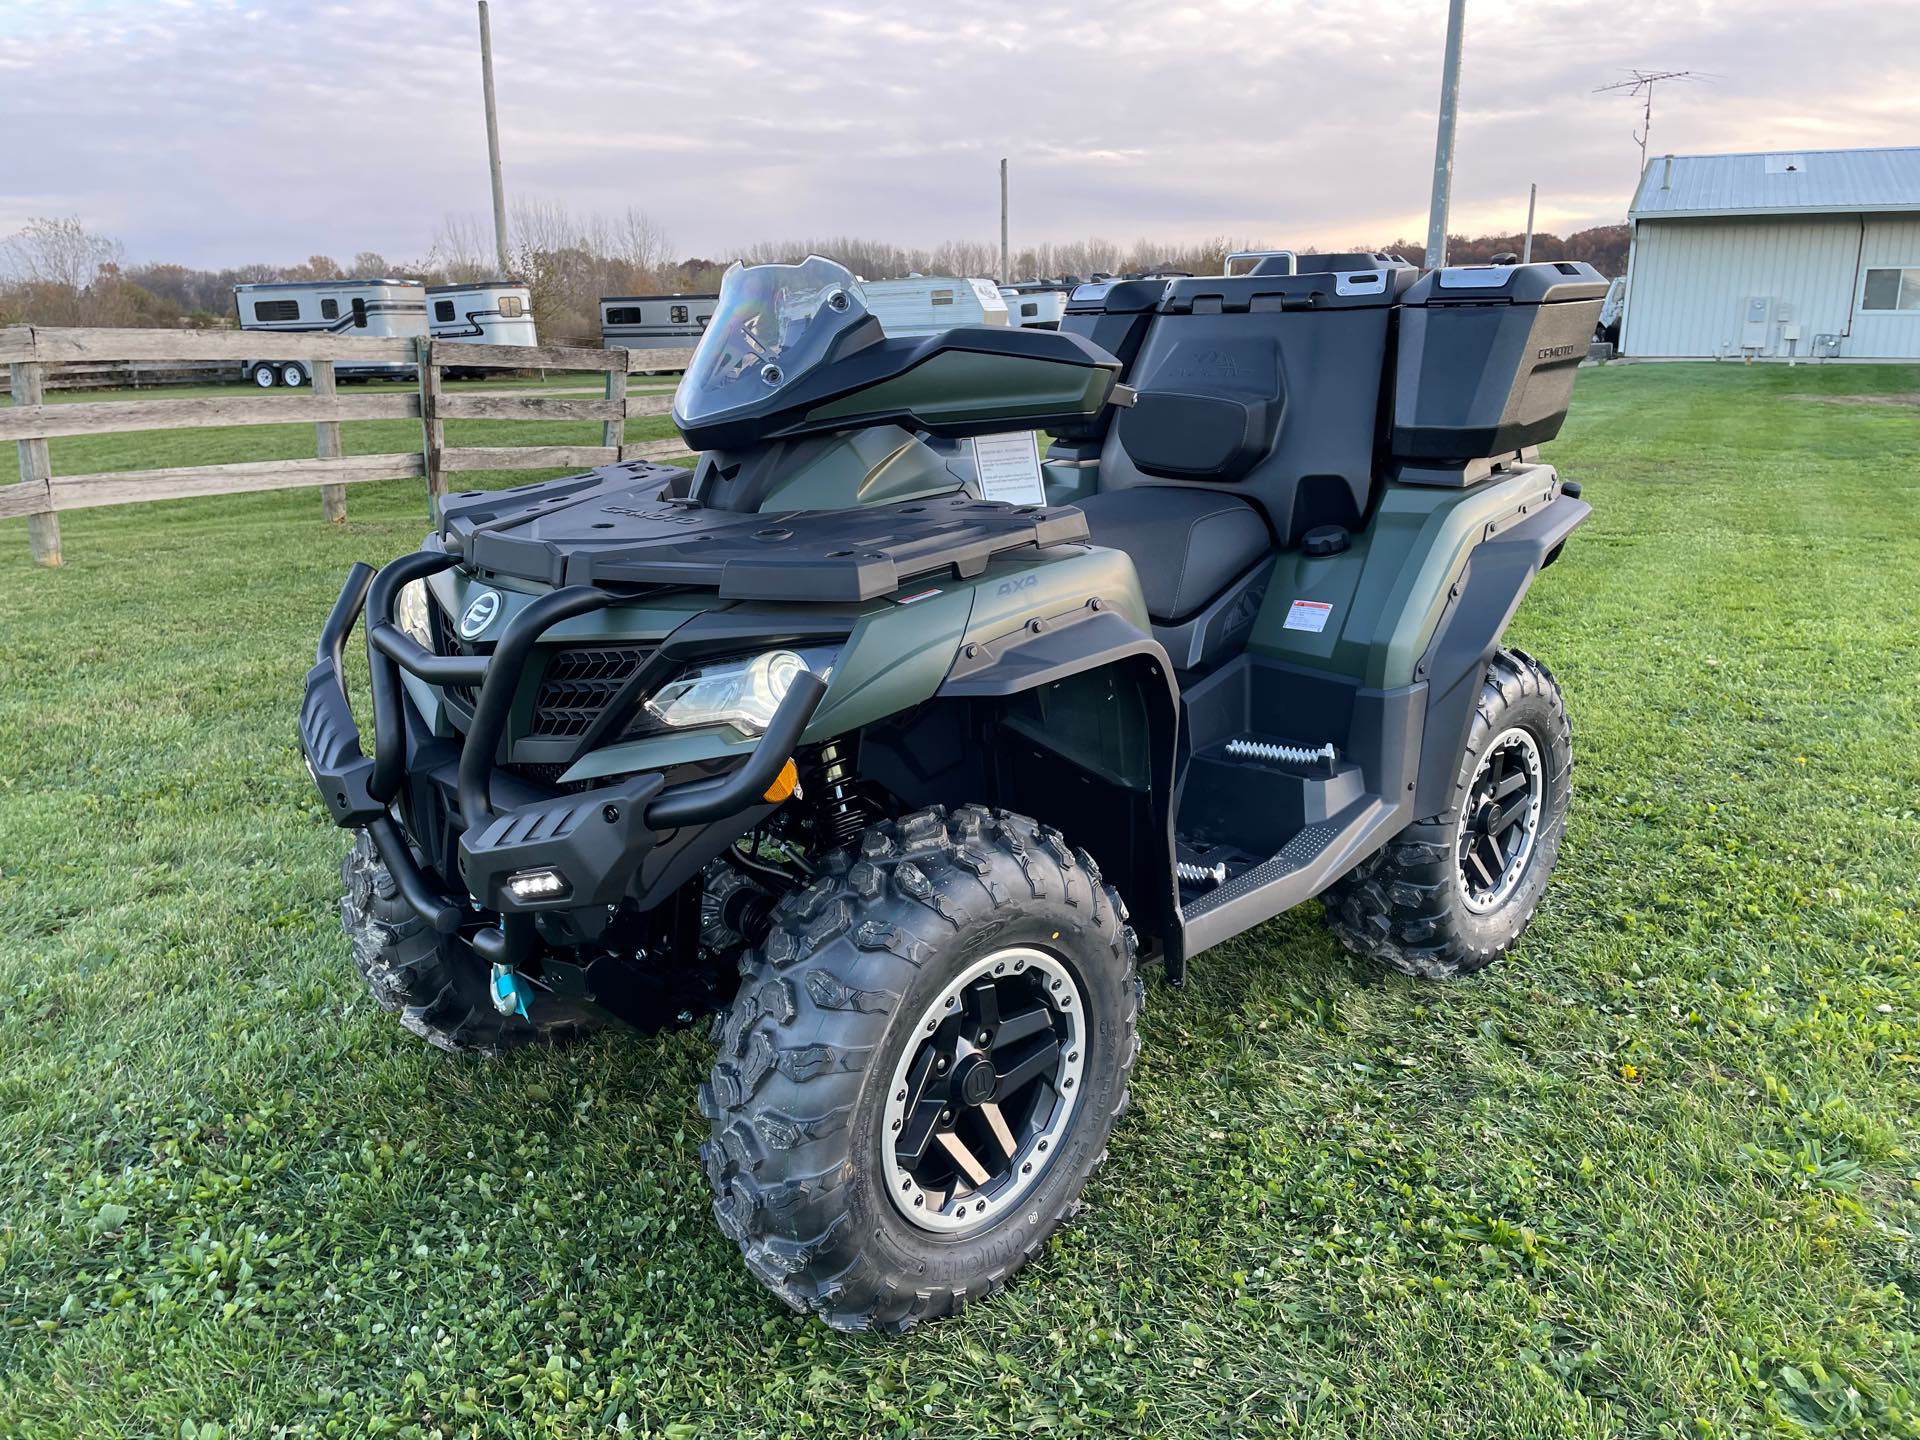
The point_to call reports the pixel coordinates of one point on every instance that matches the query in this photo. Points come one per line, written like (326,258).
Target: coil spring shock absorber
(842,813)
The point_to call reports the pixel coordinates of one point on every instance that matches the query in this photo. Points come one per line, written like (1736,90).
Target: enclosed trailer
(654,322)
(928,304)
(372,309)
(1035,306)
(485,312)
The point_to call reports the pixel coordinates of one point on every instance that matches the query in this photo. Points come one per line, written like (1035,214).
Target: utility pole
(1526,249)
(1443,145)
(493,144)
(1641,87)
(1003,221)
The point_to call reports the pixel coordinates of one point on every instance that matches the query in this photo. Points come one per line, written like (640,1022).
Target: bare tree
(642,243)
(56,252)
(460,248)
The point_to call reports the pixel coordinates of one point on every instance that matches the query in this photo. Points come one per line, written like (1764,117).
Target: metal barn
(1776,256)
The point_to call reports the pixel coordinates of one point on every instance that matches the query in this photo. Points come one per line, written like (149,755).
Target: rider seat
(1187,544)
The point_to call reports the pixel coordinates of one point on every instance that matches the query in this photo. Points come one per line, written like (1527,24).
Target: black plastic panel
(617,525)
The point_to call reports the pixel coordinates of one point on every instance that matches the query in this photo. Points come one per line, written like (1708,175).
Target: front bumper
(596,840)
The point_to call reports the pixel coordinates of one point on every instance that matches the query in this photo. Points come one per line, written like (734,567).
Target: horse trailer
(928,304)
(384,308)
(1035,306)
(654,322)
(485,312)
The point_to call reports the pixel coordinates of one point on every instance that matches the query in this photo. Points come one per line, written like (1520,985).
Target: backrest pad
(1273,381)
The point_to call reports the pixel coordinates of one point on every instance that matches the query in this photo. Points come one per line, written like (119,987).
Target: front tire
(1453,893)
(265,376)
(293,375)
(438,986)
(865,1180)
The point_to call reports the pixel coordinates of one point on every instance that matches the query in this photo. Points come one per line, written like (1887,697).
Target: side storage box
(1487,357)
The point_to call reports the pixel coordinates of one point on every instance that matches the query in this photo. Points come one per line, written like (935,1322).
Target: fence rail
(133,375)
(34,357)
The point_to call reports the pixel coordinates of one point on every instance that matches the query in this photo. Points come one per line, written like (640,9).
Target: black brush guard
(595,839)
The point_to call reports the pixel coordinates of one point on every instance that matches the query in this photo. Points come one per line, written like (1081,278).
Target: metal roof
(328,284)
(1779,182)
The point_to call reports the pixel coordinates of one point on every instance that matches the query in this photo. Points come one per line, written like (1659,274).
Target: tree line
(58,272)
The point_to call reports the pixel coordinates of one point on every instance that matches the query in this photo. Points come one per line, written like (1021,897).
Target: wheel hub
(1501,819)
(979,1103)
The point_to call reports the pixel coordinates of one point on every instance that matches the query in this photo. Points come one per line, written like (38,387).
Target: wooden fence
(134,375)
(32,352)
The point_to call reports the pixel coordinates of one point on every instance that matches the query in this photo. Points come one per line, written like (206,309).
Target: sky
(217,132)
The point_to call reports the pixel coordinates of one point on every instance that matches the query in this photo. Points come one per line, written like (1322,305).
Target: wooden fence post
(43,530)
(433,430)
(613,433)
(326,445)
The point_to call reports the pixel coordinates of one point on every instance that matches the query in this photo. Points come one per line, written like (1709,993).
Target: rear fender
(1480,606)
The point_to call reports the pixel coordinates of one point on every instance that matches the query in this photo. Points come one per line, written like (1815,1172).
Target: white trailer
(928,304)
(1035,306)
(384,308)
(654,322)
(485,312)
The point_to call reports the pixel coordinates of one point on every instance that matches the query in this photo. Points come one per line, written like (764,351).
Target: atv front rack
(619,525)
(592,842)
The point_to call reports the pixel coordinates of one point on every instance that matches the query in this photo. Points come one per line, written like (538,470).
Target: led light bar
(537,885)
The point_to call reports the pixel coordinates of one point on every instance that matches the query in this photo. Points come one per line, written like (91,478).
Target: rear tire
(1437,902)
(265,376)
(437,985)
(858,982)
(293,375)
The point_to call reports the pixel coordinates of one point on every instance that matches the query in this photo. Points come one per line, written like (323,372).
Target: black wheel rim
(985,1092)
(1500,820)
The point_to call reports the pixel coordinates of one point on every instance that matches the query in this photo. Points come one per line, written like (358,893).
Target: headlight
(743,693)
(411,614)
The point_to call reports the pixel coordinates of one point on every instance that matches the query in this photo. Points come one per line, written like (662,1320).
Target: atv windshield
(773,323)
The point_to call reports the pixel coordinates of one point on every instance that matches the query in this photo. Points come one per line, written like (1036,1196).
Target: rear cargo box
(1487,356)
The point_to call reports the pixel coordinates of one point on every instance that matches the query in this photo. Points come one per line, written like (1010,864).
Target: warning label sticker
(1308,615)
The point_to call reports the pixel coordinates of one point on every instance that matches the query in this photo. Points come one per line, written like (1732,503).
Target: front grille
(576,687)
(578,684)
(446,642)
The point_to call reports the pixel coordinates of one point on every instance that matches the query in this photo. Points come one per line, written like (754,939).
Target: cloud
(234,130)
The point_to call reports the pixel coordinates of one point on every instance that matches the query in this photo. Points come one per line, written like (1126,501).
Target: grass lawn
(1654,1175)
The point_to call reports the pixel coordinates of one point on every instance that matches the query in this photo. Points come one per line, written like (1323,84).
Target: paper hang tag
(1009,468)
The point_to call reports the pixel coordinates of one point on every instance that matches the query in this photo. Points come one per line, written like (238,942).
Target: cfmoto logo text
(479,613)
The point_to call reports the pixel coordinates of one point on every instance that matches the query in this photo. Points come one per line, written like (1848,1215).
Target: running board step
(1311,859)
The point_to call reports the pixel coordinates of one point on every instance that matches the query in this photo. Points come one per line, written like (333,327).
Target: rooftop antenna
(1640,87)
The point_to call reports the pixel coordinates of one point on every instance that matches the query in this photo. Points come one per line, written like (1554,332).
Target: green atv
(905,778)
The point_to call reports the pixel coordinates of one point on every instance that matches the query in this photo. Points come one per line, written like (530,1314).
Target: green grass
(1654,1175)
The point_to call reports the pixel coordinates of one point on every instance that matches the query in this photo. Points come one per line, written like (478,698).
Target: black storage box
(1487,355)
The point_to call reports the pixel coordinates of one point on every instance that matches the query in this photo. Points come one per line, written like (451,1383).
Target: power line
(1641,87)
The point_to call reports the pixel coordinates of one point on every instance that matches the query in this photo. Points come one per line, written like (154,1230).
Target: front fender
(1092,641)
